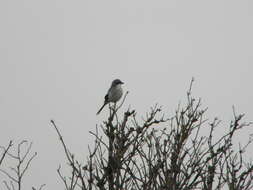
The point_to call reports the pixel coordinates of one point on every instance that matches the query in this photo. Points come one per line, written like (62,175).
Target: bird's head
(116,82)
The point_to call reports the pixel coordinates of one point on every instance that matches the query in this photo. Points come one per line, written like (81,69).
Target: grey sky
(58,58)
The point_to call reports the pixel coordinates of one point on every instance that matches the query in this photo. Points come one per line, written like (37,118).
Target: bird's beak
(121,82)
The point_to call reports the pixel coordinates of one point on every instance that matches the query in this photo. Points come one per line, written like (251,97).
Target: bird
(114,93)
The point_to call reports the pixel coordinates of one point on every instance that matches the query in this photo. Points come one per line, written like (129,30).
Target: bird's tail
(101,108)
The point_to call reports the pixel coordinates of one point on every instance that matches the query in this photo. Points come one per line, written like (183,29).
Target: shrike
(114,93)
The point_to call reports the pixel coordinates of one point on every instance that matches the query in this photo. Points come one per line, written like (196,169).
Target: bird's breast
(115,93)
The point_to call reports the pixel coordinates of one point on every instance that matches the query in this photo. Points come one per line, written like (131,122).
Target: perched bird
(114,93)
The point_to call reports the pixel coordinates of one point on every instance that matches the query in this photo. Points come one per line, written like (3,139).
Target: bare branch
(5,151)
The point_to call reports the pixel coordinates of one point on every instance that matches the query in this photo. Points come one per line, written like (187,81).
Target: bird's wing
(106,98)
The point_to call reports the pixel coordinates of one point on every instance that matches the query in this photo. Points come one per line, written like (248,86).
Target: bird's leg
(110,109)
(114,107)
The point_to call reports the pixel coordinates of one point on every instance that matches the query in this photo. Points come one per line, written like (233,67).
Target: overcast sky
(58,58)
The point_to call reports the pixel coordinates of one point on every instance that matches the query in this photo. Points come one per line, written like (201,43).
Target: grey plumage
(114,93)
